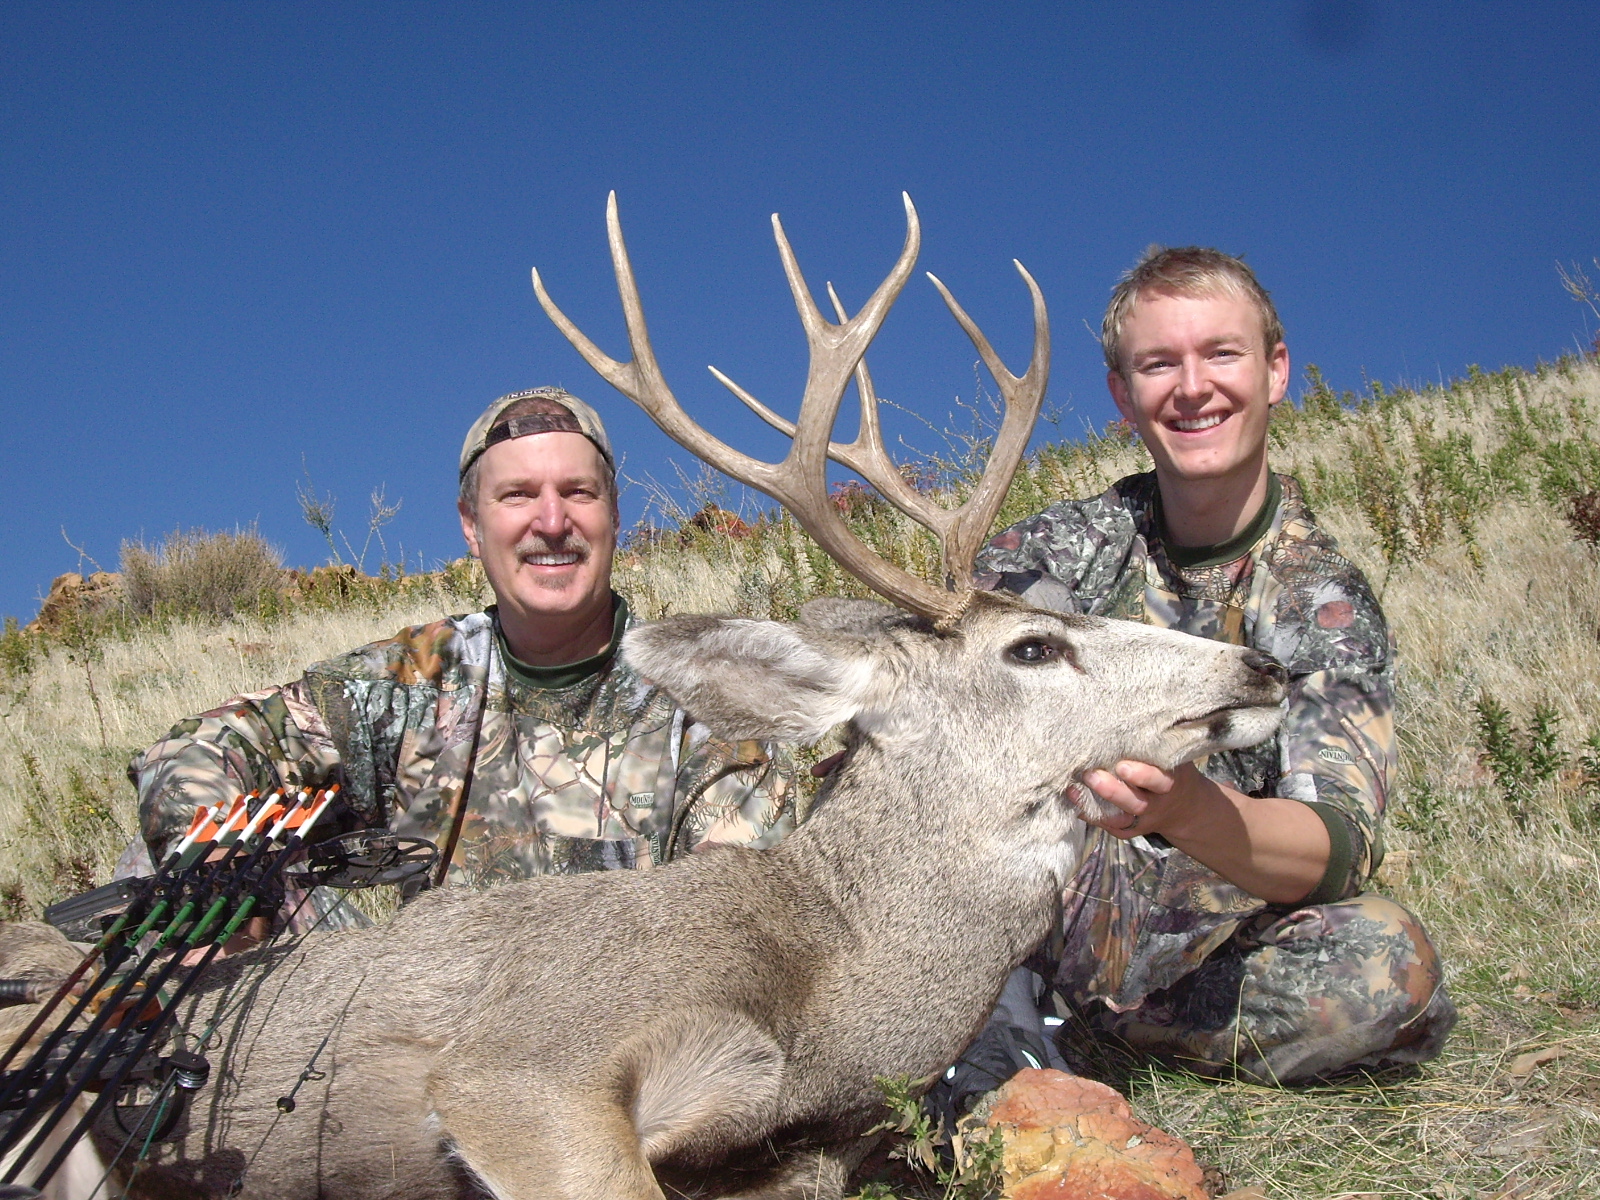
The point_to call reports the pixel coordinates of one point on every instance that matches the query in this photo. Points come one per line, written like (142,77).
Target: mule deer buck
(715,1028)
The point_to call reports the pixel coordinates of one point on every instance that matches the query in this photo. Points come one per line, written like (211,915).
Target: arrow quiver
(103,1036)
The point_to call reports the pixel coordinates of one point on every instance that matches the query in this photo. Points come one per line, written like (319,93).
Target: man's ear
(1120,395)
(1278,372)
(755,679)
(469,528)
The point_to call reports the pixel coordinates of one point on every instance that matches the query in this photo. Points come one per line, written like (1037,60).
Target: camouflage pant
(1301,994)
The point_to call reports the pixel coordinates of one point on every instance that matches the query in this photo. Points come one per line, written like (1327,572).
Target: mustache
(572,543)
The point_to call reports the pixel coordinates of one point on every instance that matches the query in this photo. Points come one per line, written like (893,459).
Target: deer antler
(837,352)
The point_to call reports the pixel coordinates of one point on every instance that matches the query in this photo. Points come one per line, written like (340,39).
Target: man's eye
(1034,652)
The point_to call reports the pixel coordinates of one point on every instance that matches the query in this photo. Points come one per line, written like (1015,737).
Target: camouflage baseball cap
(575,417)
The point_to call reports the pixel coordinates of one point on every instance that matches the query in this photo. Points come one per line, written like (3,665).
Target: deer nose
(1265,664)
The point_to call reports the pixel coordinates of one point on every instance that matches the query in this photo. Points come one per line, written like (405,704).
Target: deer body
(719,1023)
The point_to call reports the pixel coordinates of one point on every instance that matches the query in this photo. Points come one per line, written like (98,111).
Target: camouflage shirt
(1141,914)
(604,772)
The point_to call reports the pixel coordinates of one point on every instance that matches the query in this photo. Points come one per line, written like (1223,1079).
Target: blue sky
(243,244)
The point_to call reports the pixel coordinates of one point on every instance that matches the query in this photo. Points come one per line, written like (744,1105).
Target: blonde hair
(1184,271)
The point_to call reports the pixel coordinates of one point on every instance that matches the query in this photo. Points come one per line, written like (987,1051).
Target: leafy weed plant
(1522,760)
(964,1165)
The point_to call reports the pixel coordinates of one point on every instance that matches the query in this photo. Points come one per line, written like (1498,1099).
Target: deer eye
(1034,651)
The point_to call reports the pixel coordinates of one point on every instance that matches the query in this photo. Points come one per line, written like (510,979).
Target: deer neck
(884,847)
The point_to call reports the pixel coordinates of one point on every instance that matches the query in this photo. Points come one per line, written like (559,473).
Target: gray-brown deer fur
(721,1021)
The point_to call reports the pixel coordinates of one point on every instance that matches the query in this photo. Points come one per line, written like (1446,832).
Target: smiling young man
(514,738)
(1220,917)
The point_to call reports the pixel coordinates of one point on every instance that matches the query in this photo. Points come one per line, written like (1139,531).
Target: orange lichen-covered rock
(72,596)
(1068,1138)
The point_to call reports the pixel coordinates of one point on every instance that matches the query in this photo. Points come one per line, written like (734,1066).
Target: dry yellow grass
(1488,593)
(70,723)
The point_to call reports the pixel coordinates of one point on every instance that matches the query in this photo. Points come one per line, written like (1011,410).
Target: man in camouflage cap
(1220,918)
(515,738)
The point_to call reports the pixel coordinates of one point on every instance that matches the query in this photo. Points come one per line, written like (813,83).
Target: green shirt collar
(1191,557)
(564,676)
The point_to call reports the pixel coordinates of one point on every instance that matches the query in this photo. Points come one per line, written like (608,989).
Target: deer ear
(755,679)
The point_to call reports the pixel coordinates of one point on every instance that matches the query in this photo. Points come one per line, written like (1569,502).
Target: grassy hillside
(1464,504)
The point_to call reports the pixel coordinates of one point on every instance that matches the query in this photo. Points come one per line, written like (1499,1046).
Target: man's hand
(1273,848)
(1148,799)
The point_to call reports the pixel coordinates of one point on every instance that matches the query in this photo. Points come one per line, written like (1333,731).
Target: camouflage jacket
(605,772)
(1140,914)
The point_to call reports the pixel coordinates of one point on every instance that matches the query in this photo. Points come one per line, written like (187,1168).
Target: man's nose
(1192,378)
(550,515)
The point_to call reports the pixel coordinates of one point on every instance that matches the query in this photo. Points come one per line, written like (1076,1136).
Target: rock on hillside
(72,596)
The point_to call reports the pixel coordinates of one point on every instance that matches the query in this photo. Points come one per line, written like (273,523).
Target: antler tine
(1023,398)
(839,346)
(866,456)
(856,455)
(640,378)
(869,458)
(782,424)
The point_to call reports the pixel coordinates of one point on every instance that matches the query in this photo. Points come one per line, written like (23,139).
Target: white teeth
(551,560)
(1200,422)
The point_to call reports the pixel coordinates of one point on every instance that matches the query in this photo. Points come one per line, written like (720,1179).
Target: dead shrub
(1583,514)
(196,573)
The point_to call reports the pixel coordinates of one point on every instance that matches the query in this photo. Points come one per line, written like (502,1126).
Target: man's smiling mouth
(564,559)
(1195,424)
